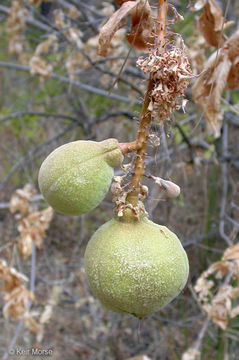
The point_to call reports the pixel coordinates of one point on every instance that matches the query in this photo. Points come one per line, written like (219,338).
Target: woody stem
(141,140)
(146,115)
(162,19)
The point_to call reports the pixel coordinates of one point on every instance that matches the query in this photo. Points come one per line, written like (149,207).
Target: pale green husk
(76,176)
(135,267)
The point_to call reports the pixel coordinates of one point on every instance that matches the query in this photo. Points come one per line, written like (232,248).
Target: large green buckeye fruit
(76,176)
(135,267)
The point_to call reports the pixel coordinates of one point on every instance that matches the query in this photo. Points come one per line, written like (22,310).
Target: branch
(224,174)
(30,20)
(75,83)
(162,19)
(141,143)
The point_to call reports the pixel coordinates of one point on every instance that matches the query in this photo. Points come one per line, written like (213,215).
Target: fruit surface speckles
(135,267)
(75,177)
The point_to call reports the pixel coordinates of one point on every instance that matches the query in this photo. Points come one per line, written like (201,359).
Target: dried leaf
(59,19)
(232,47)
(16,302)
(25,246)
(74,35)
(20,199)
(31,323)
(73,12)
(221,73)
(74,62)
(191,354)
(210,24)
(120,2)
(46,315)
(141,26)
(234,312)
(232,253)
(112,25)
(10,277)
(141,357)
(108,9)
(203,287)
(15,27)
(221,305)
(44,47)
(52,301)
(36,2)
(40,67)
(198,5)
(35,226)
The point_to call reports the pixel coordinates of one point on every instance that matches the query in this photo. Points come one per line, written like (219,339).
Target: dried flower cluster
(120,198)
(170,71)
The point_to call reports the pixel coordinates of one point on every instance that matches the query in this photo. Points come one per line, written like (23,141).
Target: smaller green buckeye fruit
(135,267)
(76,176)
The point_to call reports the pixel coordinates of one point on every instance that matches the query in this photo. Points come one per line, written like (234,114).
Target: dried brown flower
(170,71)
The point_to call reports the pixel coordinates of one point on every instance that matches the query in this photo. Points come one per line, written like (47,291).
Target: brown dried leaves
(38,65)
(222,68)
(33,228)
(221,73)
(16,302)
(15,27)
(32,225)
(15,294)
(142,26)
(217,301)
(211,23)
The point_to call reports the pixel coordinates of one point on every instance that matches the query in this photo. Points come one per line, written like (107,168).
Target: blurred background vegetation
(54,89)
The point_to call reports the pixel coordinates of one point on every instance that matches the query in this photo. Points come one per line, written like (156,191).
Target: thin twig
(224,174)
(201,334)
(31,152)
(30,20)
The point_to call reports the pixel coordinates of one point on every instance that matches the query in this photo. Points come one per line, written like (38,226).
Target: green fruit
(135,267)
(76,176)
